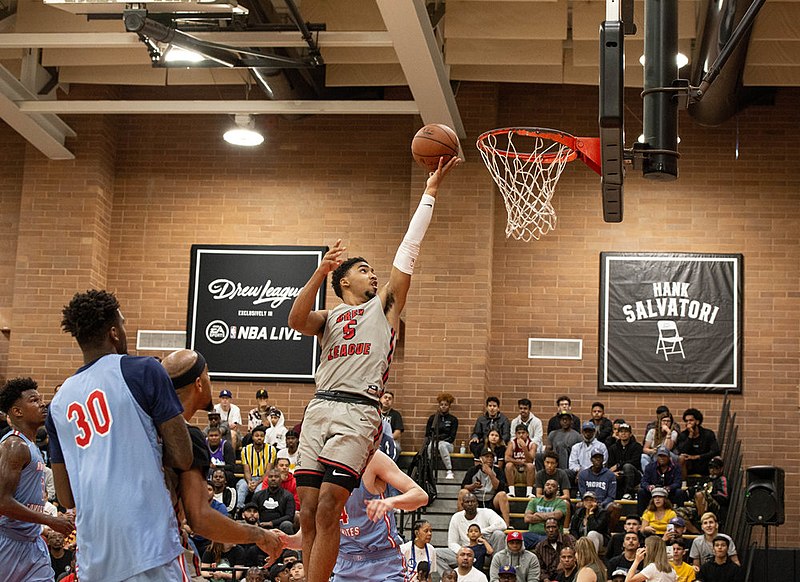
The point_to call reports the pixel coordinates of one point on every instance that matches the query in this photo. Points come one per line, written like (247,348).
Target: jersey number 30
(92,418)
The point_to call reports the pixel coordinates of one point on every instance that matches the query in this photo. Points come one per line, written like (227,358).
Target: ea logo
(217,331)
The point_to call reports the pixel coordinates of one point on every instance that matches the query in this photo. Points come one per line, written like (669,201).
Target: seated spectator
(712,495)
(488,484)
(275,430)
(618,575)
(221,453)
(257,458)
(562,440)
(624,461)
(519,458)
(563,404)
(633,523)
(658,513)
(567,566)
(289,483)
(599,480)
(703,550)
(393,416)
(258,415)
(602,425)
(525,563)
(722,568)
(664,473)
(552,471)
(279,572)
(276,506)
(491,524)
(231,415)
(590,521)
(540,509)
(60,558)
(508,573)
(200,542)
(253,556)
(449,575)
(419,549)
(661,435)
(697,445)
(222,493)
(624,561)
(676,528)
(549,549)
(656,565)
(614,432)
(526,417)
(491,419)
(221,555)
(495,443)
(653,423)
(297,572)
(683,569)
(580,456)
(215,421)
(290,452)
(255,574)
(441,429)
(466,571)
(480,547)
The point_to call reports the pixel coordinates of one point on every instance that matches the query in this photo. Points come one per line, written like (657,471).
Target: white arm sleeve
(408,251)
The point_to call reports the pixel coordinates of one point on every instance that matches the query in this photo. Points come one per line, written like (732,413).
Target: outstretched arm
(394,293)
(301,316)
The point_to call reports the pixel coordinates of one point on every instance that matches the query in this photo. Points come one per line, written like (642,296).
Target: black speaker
(763,503)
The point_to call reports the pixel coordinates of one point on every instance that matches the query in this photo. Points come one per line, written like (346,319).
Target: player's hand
(435,179)
(293,542)
(272,543)
(377,508)
(62,525)
(333,258)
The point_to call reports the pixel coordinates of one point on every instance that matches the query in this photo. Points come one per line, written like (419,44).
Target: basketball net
(526,179)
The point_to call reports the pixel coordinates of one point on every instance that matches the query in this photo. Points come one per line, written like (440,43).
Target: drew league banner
(239,302)
(670,322)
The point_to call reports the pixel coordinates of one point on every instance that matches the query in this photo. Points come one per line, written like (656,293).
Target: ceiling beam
(185,107)
(416,46)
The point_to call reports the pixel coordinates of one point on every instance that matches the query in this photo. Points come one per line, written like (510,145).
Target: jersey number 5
(349,329)
(92,417)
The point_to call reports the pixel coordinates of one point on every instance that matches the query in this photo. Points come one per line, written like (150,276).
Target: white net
(526,178)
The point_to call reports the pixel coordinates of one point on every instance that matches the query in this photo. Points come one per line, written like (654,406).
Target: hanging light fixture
(244,133)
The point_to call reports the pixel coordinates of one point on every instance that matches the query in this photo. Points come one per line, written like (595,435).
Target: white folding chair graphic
(669,340)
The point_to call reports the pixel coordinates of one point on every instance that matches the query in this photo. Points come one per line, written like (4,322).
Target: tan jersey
(357,348)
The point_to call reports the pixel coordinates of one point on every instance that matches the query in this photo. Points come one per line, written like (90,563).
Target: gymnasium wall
(144,188)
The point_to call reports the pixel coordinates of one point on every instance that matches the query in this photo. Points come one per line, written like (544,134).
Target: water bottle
(463,449)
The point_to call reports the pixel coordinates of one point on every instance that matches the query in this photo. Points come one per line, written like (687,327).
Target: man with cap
(663,473)
(524,563)
(625,461)
(258,415)
(563,404)
(581,453)
(562,440)
(590,521)
(619,575)
(189,374)
(712,495)
(507,573)
(488,484)
(603,483)
(230,414)
(279,573)
(675,530)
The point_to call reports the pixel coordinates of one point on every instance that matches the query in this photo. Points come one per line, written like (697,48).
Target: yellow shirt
(685,572)
(660,525)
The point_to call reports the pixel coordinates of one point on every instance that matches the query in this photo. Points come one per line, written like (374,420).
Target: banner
(670,322)
(239,302)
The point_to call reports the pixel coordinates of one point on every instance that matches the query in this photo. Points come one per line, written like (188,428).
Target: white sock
(529,491)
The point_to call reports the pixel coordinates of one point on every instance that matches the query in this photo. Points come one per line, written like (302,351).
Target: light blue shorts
(24,561)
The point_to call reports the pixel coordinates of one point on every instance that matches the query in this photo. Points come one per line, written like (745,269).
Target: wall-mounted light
(680,58)
(244,133)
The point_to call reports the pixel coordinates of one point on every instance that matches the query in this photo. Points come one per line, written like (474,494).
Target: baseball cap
(679,521)
(276,569)
(507,569)
(658,491)
(624,425)
(487,451)
(662,450)
(273,411)
(619,572)
(225,394)
(213,413)
(564,413)
(715,462)
(590,493)
(250,505)
(597,451)
(588,425)
(514,536)
(262,393)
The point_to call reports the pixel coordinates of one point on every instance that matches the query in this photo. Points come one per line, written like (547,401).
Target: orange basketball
(433,142)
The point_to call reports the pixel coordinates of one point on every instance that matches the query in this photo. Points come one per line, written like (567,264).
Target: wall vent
(156,340)
(555,349)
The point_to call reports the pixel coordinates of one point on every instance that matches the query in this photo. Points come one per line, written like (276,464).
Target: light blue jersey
(30,492)
(102,427)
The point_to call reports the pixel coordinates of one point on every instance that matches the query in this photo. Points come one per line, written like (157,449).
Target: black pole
(660,71)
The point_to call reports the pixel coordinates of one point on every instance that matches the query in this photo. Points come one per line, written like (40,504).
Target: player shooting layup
(341,426)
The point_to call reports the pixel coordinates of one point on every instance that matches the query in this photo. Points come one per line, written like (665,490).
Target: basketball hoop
(527,172)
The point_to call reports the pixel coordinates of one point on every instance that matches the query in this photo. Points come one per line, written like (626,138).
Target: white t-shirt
(651,573)
(426,554)
(233,416)
(473,575)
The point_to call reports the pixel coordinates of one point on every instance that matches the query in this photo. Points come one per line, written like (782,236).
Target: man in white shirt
(580,456)
(466,573)
(491,524)
(231,414)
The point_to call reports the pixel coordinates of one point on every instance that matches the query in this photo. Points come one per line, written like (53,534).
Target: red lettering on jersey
(345,350)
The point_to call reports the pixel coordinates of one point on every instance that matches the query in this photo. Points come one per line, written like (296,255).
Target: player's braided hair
(341,271)
(90,315)
(13,389)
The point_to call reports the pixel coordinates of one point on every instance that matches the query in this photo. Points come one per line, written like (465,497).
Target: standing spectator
(525,563)
(519,457)
(549,549)
(526,417)
(658,513)
(567,566)
(488,484)
(702,550)
(230,414)
(257,458)
(580,456)
(441,429)
(275,434)
(466,572)
(722,568)
(276,506)
(258,415)
(657,567)
(491,524)
(60,558)
(590,521)
(562,440)
(603,427)
(624,460)
(664,474)
(489,420)
(563,404)
(393,416)
(683,569)
(221,453)
(540,509)
(697,445)
(290,452)
(551,470)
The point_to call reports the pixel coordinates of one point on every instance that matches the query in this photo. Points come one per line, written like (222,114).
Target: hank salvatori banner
(670,322)
(239,302)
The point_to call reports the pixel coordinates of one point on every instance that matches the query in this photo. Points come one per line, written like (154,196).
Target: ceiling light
(681,59)
(244,134)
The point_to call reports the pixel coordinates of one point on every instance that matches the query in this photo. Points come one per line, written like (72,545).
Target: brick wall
(143,189)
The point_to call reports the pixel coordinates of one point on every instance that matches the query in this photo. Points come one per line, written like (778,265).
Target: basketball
(433,142)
